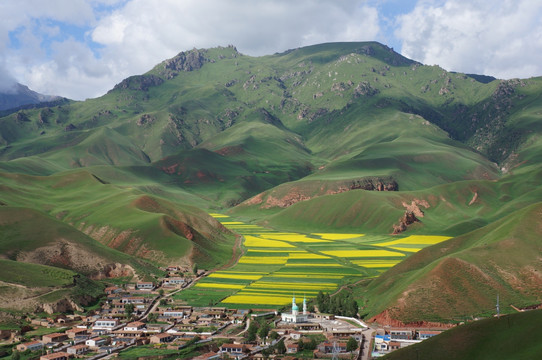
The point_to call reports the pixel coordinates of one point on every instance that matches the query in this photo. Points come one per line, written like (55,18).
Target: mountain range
(346,137)
(19,95)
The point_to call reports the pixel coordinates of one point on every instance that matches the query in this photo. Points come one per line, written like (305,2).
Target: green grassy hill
(512,336)
(462,276)
(303,140)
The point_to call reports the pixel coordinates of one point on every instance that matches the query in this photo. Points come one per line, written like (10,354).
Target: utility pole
(335,351)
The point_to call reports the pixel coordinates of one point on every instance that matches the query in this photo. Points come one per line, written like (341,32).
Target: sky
(81,48)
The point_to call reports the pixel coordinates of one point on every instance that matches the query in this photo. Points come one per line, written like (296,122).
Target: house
(32,346)
(327,347)
(77,349)
(41,322)
(292,348)
(394,345)
(113,290)
(235,349)
(54,338)
(106,349)
(172,314)
(145,286)
(401,334)
(56,356)
(173,268)
(74,332)
(134,326)
(174,281)
(426,334)
(105,324)
(161,338)
(97,342)
(133,300)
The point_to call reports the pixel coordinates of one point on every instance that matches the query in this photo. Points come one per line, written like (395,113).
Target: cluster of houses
(154,320)
(390,340)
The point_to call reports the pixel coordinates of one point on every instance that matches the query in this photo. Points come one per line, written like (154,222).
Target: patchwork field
(276,265)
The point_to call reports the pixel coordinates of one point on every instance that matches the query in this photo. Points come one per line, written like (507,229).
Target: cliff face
(290,194)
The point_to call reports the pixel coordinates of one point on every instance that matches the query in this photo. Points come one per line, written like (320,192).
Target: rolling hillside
(509,337)
(339,137)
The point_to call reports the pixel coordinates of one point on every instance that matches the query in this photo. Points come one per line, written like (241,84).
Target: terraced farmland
(277,264)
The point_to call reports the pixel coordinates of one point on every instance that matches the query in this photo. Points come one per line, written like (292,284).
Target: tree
(161,292)
(252,330)
(351,345)
(274,335)
(263,331)
(128,310)
(311,345)
(15,355)
(320,301)
(281,348)
(152,317)
(351,307)
(195,268)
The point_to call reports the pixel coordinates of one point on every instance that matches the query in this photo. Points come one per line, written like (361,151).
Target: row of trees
(342,304)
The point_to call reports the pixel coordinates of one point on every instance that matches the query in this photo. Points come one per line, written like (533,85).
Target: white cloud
(498,38)
(141,33)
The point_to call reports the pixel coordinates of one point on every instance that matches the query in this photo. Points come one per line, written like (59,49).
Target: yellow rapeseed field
(219,216)
(275,251)
(313,264)
(306,255)
(252,241)
(308,276)
(257,299)
(293,285)
(332,236)
(235,276)
(264,260)
(362,253)
(293,238)
(408,249)
(416,240)
(376,263)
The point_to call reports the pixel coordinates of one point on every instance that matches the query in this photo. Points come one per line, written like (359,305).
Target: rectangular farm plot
(264,260)
(237,276)
(362,253)
(376,263)
(202,284)
(300,238)
(331,236)
(421,240)
(252,241)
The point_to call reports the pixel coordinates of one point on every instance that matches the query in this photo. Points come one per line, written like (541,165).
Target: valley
(344,168)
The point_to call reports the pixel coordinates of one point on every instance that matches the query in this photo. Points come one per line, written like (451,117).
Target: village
(142,320)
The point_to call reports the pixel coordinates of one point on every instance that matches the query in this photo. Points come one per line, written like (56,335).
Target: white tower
(295,309)
(304,306)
